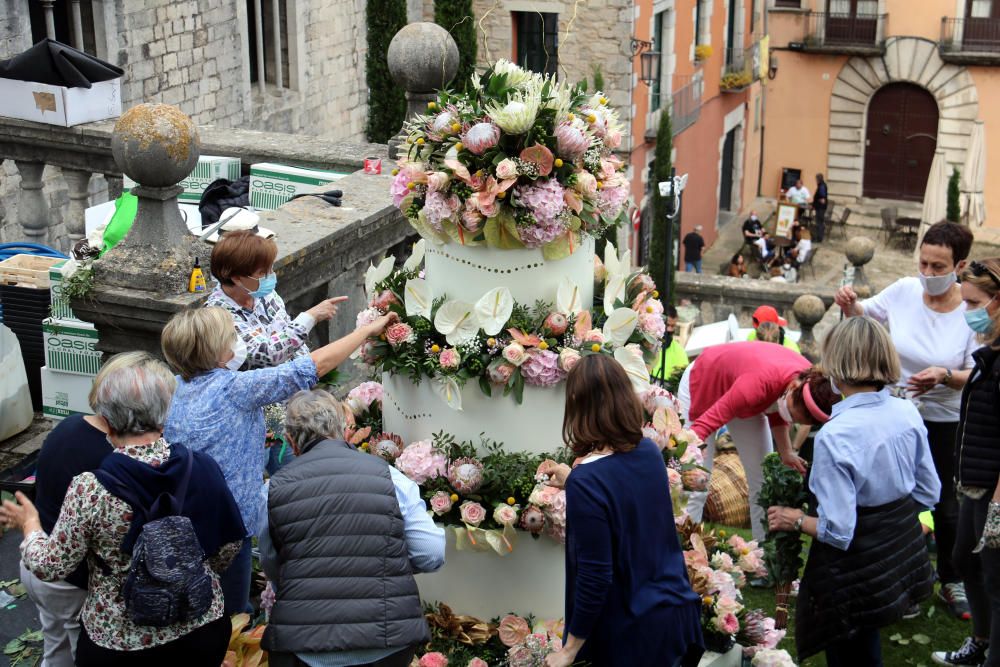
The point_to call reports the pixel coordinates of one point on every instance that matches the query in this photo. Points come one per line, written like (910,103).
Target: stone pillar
(809,310)
(32,209)
(860,251)
(422,59)
(78,183)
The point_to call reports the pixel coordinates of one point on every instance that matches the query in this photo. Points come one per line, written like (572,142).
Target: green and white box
(271,185)
(60,304)
(210,168)
(65,394)
(71,346)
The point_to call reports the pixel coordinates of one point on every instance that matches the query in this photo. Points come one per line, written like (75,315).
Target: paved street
(13,621)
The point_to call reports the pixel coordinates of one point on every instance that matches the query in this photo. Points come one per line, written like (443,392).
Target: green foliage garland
(457,18)
(783,487)
(386,103)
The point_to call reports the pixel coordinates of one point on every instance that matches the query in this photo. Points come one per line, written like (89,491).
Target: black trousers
(864,648)
(401,658)
(204,647)
(981,573)
(941,436)
(820,223)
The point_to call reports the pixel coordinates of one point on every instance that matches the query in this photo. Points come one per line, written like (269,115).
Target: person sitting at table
(765,246)
(798,194)
(752,228)
(798,253)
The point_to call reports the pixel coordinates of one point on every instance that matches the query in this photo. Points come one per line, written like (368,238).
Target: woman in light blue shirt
(219,410)
(872,474)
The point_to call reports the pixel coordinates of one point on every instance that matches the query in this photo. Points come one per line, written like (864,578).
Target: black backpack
(168,580)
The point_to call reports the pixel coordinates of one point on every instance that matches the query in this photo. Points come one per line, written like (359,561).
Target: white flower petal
(614,290)
(568,297)
(635,368)
(457,322)
(449,391)
(620,326)
(494,309)
(376,274)
(416,256)
(611,263)
(417,298)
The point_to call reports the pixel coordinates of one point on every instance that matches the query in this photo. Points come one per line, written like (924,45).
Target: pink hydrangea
(367,316)
(542,369)
(434,659)
(398,188)
(439,207)
(421,462)
(545,200)
(366,393)
(652,324)
(611,199)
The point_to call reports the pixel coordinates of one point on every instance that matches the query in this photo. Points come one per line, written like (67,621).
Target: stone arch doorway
(900,138)
(907,59)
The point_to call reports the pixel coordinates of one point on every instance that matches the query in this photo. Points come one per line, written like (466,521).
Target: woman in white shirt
(925,316)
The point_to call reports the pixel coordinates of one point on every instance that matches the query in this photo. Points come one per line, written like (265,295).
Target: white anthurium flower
(417,298)
(457,322)
(494,309)
(614,290)
(416,256)
(449,391)
(635,368)
(376,274)
(611,263)
(568,297)
(620,326)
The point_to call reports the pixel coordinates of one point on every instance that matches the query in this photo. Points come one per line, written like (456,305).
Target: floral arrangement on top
(505,345)
(519,161)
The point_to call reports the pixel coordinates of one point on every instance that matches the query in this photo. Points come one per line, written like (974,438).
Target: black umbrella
(58,64)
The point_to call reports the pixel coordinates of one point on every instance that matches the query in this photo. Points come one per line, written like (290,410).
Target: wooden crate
(27,270)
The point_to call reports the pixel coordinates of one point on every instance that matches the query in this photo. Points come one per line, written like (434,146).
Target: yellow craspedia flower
(420,141)
(455,127)
(656,294)
(722,533)
(570,116)
(649,309)
(395,171)
(458,146)
(604,100)
(558,163)
(707,600)
(454,497)
(600,185)
(411,185)
(364,446)
(381,336)
(543,345)
(510,500)
(435,348)
(591,118)
(596,347)
(491,341)
(432,105)
(501,195)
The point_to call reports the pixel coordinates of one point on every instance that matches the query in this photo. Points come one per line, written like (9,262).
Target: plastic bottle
(197,281)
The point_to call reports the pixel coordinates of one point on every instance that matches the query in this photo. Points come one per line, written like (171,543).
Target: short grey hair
(858,351)
(314,414)
(132,391)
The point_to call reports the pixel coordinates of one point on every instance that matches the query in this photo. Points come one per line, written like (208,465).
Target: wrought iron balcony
(854,34)
(685,103)
(970,41)
(742,66)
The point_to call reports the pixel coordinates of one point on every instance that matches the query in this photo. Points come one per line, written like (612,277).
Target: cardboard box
(57,105)
(59,304)
(95,216)
(210,168)
(70,346)
(271,185)
(65,394)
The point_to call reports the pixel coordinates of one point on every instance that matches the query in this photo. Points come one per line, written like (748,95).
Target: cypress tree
(954,195)
(658,250)
(386,101)
(457,18)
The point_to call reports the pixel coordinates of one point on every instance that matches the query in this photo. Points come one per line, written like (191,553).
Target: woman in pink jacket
(757,390)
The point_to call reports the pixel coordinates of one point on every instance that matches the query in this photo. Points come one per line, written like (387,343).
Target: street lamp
(649,63)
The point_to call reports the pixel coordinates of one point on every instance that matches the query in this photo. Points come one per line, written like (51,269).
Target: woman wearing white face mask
(925,317)
(219,410)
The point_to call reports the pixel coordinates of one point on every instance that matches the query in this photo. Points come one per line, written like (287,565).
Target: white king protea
(481,137)
(517,77)
(519,114)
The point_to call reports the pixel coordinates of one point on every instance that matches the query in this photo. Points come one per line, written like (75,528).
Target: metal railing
(48,7)
(739,70)
(845,32)
(685,102)
(970,36)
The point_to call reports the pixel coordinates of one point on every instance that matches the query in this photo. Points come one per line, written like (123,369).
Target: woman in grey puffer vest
(346,534)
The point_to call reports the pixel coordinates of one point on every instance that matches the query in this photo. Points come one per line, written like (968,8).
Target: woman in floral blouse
(219,410)
(94,525)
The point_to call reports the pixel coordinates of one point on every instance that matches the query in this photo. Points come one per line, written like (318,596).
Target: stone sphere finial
(809,309)
(156,145)
(422,57)
(860,250)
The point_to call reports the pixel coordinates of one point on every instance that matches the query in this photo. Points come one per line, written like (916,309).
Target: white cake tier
(416,412)
(466,273)
(529,580)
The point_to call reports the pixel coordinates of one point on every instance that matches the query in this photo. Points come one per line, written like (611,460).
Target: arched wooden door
(900,142)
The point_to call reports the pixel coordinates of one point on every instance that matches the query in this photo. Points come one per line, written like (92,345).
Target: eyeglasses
(979,269)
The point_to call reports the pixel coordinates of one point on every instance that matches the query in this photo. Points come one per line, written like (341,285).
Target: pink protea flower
(533,519)
(481,137)
(465,475)
(513,630)
(542,369)
(387,446)
(556,324)
(421,462)
(399,334)
(571,140)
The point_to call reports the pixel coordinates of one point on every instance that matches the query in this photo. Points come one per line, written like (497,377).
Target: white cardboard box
(271,185)
(70,346)
(57,105)
(65,394)
(95,216)
(210,168)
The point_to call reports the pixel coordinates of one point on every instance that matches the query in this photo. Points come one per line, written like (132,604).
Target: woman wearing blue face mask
(977,471)
(219,410)
(925,317)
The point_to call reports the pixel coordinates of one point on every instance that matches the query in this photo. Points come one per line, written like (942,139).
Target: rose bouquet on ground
(519,160)
(466,641)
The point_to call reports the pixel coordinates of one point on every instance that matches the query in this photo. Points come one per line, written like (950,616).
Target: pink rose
(441,503)
(726,624)
(366,317)
(643,282)
(450,358)
(674,477)
(481,137)
(472,513)
(384,300)
(489,209)
(437,181)
(613,139)
(434,659)
(594,336)
(477,662)
(499,372)
(515,354)
(586,183)
(727,605)
(399,333)
(505,515)
(506,169)
(568,358)
(513,630)
(556,324)
(533,519)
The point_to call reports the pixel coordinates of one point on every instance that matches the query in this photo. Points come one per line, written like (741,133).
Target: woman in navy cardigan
(628,599)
